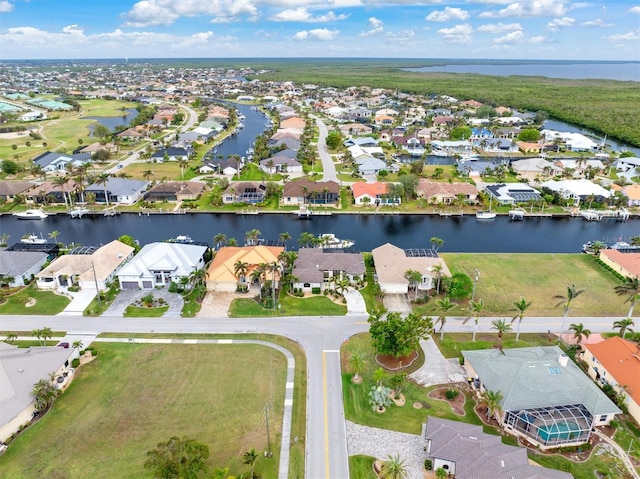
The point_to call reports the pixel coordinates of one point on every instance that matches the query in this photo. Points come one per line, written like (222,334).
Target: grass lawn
(47,302)
(133,396)
(361,467)
(101,107)
(504,278)
(167,170)
(453,343)
(289,306)
(142,312)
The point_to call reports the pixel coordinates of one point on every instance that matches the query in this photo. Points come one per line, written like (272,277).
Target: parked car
(64,345)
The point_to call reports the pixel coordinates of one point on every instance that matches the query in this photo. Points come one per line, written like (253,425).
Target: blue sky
(533,29)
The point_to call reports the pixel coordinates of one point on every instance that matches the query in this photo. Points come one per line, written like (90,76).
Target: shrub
(451,394)
(428,464)
(75,363)
(316,290)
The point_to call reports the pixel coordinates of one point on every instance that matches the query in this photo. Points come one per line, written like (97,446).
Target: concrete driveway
(125,298)
(355,302)
(437,369)
(397,303)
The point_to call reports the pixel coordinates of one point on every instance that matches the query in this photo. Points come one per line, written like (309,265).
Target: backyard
(132,397)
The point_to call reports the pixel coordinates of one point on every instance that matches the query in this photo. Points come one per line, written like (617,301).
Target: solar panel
(420,253)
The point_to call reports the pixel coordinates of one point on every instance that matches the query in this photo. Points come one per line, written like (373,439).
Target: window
(603,418)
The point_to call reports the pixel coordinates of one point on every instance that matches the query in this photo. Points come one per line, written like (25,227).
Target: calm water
(112,121)
(629,71)
(466,234)
(254,123)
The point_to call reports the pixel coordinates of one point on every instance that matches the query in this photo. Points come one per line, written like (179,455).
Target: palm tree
(38,334)
(436,243)
(11,337)
(4,239)
(182,162)
(147,174)
(220,239)
(565,302)
(414,277)
(232,242)
(441,473)
(46,333)
(54,235)
(579,332)
(61,181)
(44,393)
(501,326)
(520,306)
(444,305)
(77,345)
(624,325)
(284,237)
(393,468)
(357,364)
(493,400)
(251,236)
(103,179)
(476,307)
(250,457)
(437,269)
(240,269)
(631,289)
(306,239)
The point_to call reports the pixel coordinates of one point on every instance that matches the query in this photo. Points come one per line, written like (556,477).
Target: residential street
(321,338)
(329,169)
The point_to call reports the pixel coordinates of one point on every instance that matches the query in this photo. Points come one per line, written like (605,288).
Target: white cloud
(5,6)
(447,14)
(376,26)
(598,22)
(165,12)
(301,14)
(538,39)
(558,23)
(401,36)
(323,34)
(624,37)
(635,10)
(499,28)
(459,34)
(531,8)
(512,37)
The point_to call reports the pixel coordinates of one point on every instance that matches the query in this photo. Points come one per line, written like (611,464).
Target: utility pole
(475,282)
(95,279)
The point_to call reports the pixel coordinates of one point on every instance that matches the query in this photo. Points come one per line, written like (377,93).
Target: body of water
(112,121)
(254,125)
(622,71)
(460,234)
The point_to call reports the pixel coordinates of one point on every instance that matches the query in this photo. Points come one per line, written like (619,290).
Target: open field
(102,107)
(504,278)
(133,396)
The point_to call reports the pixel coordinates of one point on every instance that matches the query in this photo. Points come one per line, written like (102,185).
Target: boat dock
(593,215)
(305,213)
(248,212)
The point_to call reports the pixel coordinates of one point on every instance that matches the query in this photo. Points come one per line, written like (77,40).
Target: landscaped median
(212,389)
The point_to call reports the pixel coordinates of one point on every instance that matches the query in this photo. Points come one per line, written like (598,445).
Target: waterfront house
(22,266)
(250,192)
(547,399)
(306,192)
(392,263)
(224,273)
(465,451)
(580,190)
(532,169)
(225,166)
(118,190)
(10,189)
(368,165)
(88,269)
(616,362)
(317,267)
(625,263)
(52,161)
(446,193)
(627,164)
(512,193)
(632,192)
(160,264)
(373,194)
(171,154)
(20,369)
(293,122)
(280,164)
(175,191)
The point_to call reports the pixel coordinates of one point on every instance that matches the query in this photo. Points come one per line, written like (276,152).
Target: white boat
(330,241)
(31,215)
(184,239)
(485,215)
(33,239)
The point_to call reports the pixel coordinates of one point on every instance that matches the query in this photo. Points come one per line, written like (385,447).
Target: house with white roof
(512,193)
(546,398)
(160,264)
(577,189)
(118,190)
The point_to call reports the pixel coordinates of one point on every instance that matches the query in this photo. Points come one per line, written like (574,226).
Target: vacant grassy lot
(133,396)
(289,306)
(101,107)
(46,302)
(504,278)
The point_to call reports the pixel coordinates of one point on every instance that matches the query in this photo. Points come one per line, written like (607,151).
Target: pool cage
(552,426)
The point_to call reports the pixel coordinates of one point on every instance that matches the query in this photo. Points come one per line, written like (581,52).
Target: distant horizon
(498,29)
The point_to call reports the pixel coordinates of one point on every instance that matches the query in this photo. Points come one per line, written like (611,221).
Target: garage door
(130,285)
(147,285)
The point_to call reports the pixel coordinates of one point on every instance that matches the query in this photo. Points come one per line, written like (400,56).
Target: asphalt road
(328,168)
(321,338)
